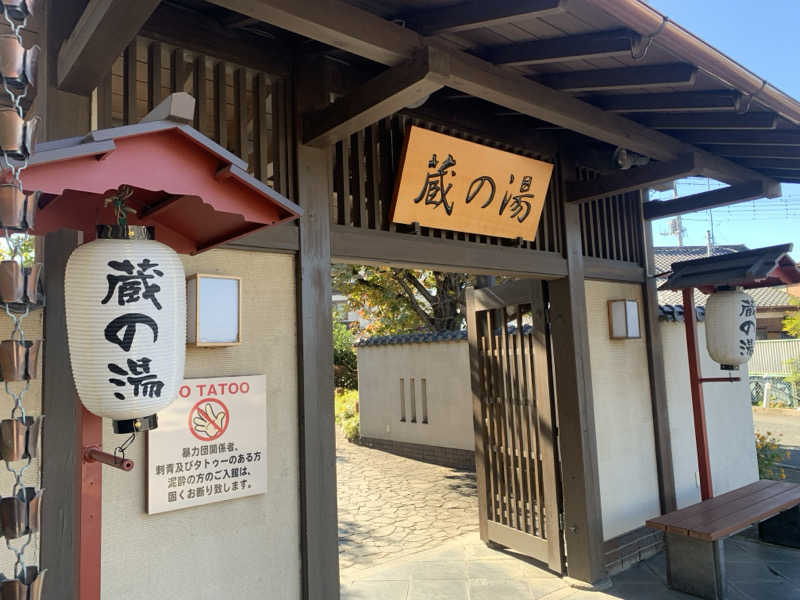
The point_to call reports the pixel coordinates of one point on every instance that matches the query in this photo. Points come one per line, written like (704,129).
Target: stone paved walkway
(390,506)
(466,569)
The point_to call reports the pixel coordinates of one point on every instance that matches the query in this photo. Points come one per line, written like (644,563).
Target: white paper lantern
(730,328)
(126,326)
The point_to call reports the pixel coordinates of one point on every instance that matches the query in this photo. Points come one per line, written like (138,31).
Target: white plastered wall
(246,549)
(445,368)
(729,420)
(623,415)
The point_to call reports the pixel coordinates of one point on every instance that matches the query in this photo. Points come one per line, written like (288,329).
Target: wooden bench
(694,535)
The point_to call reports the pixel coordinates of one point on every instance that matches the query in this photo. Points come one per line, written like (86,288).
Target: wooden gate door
(514,416)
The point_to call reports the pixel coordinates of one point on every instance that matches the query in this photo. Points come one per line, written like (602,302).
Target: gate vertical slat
(538,434)
(494,425)
(519,424)
(525,426)
(519,504)
(513,507)
(499,421)
(489,457)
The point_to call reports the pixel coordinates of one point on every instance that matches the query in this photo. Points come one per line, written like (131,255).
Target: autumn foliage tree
(404,300)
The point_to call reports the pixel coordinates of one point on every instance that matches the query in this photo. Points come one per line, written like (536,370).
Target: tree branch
(413,302)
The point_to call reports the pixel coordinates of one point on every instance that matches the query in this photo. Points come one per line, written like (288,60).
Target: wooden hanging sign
(449,183)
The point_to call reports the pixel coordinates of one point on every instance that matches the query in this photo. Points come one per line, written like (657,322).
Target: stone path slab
(391,506)
(466,569)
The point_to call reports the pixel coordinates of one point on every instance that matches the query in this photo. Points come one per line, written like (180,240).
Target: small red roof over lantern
(196,193)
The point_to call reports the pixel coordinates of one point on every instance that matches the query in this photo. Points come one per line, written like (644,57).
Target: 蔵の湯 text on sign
(211,444)
(452,184)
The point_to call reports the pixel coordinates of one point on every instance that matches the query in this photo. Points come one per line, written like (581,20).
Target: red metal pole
(698,405)
(90,509)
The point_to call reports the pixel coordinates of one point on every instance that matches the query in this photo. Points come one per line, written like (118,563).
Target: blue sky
(762,36)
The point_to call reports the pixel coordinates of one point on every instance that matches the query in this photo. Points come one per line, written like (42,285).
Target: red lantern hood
(196,193)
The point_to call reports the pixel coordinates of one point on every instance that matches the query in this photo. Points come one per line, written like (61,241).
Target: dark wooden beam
(650,76)
(353,245)
(668,102)
(632,179)
(61,459)
(347,27)
(474,15)
(780,164)
(612,270)
(472,121)
(658,378)
(196,32)
(722,197)
(711,120)
(577,430)
(753,150)
(778,137)
(384,95)
(603,44)
(783,176)
(103,31)
(318,516)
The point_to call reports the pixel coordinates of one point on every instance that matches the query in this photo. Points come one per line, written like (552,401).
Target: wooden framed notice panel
(450,183)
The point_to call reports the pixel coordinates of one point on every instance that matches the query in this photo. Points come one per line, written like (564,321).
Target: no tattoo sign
(210,445)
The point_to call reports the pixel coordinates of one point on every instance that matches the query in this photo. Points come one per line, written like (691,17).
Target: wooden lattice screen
(611,227)
(243,110)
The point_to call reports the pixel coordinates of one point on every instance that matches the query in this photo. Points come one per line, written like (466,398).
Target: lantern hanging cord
(123,447)
(118,203)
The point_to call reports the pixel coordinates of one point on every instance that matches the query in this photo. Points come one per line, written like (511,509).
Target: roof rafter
(385,94)
(712,120)
(669,102)
(474,15)
(628,180)
(741,192)
(618,42)
(650,76)
(102,32)
(778,137)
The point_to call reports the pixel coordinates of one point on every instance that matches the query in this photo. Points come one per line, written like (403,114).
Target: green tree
(404,300)
(345,363)
(791,325)
(26,248)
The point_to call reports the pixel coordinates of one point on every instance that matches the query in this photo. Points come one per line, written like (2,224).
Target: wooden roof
(578,47)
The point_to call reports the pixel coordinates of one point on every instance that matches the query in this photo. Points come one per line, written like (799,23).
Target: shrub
(345,363)
(770,456)
(346,413)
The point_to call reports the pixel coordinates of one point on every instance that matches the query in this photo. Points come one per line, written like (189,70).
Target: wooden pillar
(583,527)
(65,114)
(658,381)
(698,403)
(319,544)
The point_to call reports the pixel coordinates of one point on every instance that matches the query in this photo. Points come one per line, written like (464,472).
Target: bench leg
(696,567)
(782,529)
